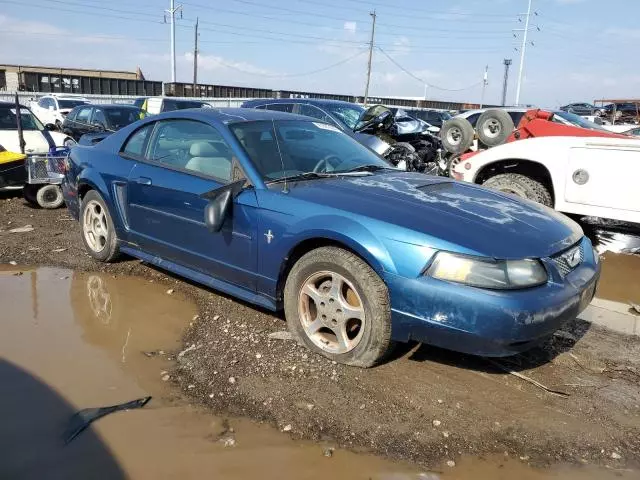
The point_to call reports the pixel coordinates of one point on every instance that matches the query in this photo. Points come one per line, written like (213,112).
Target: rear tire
(98,232)
(521,186)
(494,127)
(457,135)
(348,303)
(50,197)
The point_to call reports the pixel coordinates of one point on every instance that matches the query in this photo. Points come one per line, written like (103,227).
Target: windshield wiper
(366,168)
(304,176)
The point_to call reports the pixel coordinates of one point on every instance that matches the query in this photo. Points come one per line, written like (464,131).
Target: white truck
(52,109)
(586,176)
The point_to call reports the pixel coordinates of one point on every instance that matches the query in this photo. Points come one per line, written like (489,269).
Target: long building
(30,78)
(81,81)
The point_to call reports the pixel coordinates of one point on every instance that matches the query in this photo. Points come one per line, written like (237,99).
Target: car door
(185,159)
(593,178)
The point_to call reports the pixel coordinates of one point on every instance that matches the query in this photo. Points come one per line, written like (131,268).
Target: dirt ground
(424,405)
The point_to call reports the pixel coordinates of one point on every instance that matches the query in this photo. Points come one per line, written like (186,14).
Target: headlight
(487,273)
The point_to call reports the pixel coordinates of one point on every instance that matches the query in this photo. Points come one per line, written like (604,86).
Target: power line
(369,4)
(289,75)
(415,77)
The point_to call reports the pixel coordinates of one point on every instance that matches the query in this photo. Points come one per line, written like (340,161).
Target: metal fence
(26,97)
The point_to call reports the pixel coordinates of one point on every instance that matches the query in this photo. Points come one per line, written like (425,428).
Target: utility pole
(195,61)
(507,63)
(522,52)
(373,31)
(485,82)
(172,12)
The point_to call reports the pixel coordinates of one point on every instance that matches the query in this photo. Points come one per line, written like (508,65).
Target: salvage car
(404,141)
(577,175)
(53,109)
(582,109)
(288,212)
(38,139)
(100,119)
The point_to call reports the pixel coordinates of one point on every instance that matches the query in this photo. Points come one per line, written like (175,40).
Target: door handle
(142,180)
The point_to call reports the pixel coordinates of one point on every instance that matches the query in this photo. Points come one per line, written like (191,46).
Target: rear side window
(135,145)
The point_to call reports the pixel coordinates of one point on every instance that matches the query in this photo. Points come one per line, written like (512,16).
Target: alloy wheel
(331,312)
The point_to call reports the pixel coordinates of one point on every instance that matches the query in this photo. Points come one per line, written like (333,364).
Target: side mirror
(50,126)
(219,206)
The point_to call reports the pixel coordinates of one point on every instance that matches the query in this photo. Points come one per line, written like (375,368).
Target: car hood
(439,210)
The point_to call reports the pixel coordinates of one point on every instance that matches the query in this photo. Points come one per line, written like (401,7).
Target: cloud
(569,2)
(350,27)
(625,33)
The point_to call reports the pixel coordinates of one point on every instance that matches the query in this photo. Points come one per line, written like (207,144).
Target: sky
(577,50)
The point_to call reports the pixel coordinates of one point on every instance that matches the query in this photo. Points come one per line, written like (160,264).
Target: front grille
(563,260)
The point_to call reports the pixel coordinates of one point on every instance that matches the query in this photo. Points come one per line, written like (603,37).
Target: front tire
(50,197)
(521,186)
(337,306)
(98,232)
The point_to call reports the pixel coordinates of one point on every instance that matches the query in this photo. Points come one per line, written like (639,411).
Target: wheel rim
(99,299)
(50,195)
(94,226)
(331,312)
(454,136)
(491,128)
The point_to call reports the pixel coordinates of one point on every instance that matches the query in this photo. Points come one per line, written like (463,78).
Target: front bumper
(488,322)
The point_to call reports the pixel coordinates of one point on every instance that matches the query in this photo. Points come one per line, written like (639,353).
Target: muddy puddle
(75,340)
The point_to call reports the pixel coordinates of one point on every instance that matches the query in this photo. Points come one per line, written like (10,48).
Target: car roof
(10,104)
(311,101)
(111,105)
(232,115)
(468,113)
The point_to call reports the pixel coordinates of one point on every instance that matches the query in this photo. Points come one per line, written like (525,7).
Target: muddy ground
(425,405)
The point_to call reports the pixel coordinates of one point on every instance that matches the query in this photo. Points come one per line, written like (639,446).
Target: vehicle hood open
(480,220)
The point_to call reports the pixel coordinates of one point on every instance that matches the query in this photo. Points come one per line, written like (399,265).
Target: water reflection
(617,237)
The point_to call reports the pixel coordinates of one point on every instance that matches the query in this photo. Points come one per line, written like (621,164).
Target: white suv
(52,109)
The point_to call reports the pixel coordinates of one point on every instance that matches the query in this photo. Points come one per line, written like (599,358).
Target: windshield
(121,117)
(287,148)
(70,103)
(577,121)
(347,114)
(8,119)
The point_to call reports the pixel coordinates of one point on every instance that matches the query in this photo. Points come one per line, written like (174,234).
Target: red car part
(539,123)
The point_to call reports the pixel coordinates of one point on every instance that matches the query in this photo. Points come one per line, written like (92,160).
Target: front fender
(346,231)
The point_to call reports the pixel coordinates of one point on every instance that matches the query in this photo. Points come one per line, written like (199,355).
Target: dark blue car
(286,212)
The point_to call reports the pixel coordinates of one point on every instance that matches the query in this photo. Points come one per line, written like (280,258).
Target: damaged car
(290,213)
(407,143)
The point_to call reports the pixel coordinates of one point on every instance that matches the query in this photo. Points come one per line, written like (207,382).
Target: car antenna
(275,135)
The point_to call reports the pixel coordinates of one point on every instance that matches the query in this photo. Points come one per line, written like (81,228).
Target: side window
(281,107)
(72,114)
(135,144)
(53,103)
(83,115)
(42,103)
(314,112)
(193,146)
(98,117)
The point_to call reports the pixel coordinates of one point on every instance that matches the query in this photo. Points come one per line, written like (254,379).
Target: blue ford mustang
(287,212)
